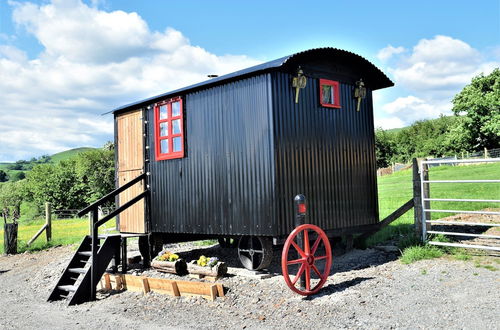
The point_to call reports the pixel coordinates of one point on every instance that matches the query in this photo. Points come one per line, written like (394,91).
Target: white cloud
(386,53)
(411,108)
(389,122)
(92,61)
(432,73)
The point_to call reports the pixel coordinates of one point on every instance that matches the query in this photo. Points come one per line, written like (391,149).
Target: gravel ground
(369,289)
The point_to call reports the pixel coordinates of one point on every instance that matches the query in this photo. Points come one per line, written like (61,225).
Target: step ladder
(75,282)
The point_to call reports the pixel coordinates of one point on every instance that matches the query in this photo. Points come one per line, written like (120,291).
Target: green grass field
(68,154)
(64,232)
(396,189)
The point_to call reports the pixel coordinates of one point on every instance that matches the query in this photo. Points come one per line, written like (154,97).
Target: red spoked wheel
(313,261)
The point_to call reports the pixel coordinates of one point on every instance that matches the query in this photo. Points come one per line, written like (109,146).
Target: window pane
(177,144)
(327,94)
(176,126)
(164,129)
(176,109)
(164,146)
(163,112)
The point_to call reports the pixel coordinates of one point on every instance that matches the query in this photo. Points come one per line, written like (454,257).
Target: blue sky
(64,62)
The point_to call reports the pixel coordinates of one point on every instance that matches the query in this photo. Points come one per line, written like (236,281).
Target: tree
(11,196)
(384,148)
(16,176)
(3,176)
(58,184)
(96,170)
(73,183)
(479,104)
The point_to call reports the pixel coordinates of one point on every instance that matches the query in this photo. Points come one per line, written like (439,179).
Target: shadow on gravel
(339,287)
(4,271)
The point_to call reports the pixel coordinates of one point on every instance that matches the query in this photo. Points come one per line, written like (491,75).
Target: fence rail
(427,210)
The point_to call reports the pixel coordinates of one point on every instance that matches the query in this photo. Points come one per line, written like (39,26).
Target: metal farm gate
(427,221)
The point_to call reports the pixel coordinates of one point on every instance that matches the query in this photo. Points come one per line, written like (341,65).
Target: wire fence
(485,153)
(73,213)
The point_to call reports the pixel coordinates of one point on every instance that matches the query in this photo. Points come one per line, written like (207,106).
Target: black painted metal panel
(225,184)
(325,153)
(322,59)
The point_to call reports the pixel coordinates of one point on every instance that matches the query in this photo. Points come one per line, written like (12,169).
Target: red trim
(170,135)
(335,86)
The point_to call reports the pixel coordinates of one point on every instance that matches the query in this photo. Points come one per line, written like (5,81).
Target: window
(329,93)
(169,130)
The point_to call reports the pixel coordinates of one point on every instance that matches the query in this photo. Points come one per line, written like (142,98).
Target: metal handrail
(96,222)
(111,195)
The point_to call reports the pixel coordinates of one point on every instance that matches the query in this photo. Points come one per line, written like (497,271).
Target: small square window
(163,112)
(164,146)
(176,126)
(177,144)
(164,129)
(176,109)
(169,131)
(329,93)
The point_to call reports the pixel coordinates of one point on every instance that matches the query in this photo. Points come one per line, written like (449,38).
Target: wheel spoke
(296,261)
(315,245)
(308,277)
(320,258)
(299,274)
(307,249)
(316,270)
(259,251)
(251,258)
(299,250)
(244,250)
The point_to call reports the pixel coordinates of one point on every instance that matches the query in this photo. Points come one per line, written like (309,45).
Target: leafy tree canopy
(479,104)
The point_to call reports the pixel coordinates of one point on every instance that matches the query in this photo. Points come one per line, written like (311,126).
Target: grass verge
(64,232)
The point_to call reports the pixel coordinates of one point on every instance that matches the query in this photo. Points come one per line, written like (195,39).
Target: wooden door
(130,146)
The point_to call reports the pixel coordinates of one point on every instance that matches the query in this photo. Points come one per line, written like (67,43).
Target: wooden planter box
(178,267)
(219,270)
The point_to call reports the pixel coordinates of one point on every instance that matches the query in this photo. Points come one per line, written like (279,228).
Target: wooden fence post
(48,221)
(417,198)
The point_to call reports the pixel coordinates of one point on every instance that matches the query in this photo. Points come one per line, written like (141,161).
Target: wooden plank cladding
(132,219)
(130,141)
(130,164)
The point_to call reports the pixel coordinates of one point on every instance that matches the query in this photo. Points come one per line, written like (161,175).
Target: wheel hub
(310,260)
(251,252)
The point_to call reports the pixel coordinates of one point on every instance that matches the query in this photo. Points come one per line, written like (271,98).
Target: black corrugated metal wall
(325,153)
(225,184)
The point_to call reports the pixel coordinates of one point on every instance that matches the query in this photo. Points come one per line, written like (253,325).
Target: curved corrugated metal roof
(378,78)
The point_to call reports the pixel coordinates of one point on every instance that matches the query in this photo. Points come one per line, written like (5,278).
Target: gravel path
(369,289)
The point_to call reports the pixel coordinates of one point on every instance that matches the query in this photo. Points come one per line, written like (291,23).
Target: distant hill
(68,154)
(13,170)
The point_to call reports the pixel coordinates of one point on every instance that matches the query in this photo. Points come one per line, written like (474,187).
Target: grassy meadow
(394,190)
(64,232)
(397,188)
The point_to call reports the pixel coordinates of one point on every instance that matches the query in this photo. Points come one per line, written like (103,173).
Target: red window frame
(170,136)
(336,94)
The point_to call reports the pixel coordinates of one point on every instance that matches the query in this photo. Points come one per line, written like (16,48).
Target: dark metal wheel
(255,252)
(227,242)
